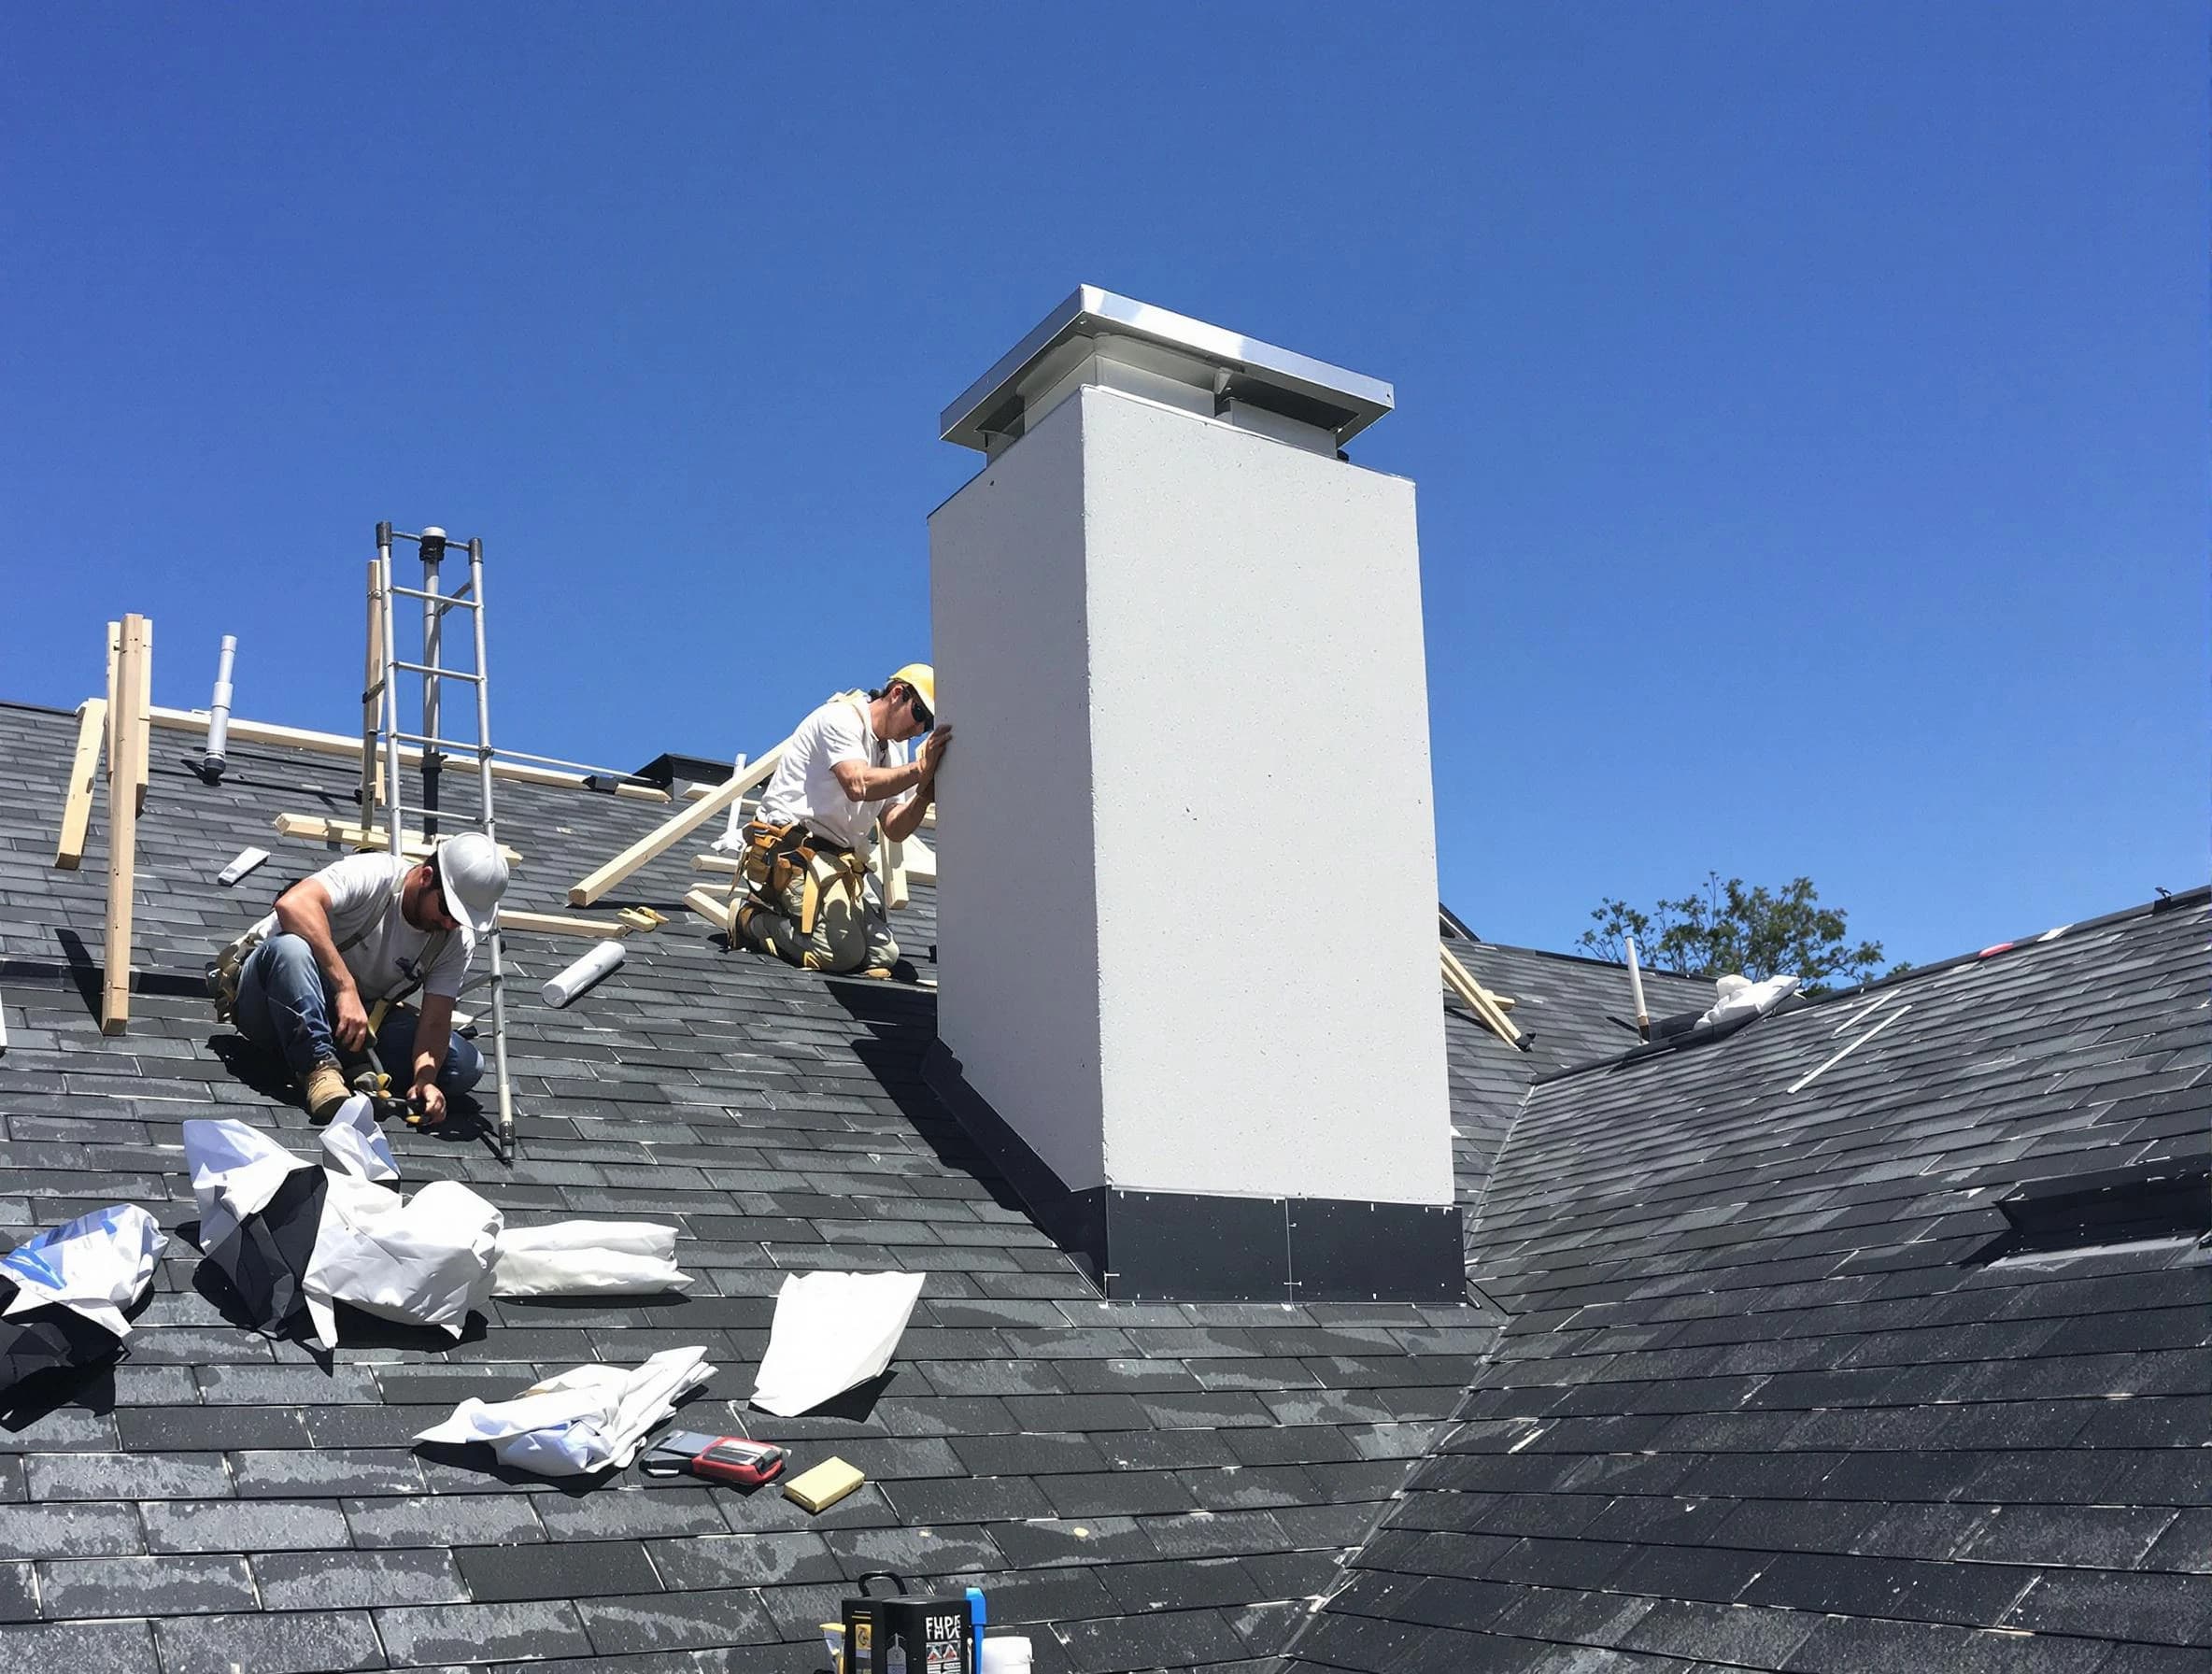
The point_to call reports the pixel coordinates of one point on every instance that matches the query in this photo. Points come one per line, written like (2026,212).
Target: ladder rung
(416,592)
(424,668)
(455,744)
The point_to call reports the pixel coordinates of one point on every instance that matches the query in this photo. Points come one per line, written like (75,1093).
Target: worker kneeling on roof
(327,971)
(806,850)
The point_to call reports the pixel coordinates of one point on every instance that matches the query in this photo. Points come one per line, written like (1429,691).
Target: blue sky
(1808,403)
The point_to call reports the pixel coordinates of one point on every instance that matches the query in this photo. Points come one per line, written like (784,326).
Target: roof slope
(1764,1403)
(1167,1486)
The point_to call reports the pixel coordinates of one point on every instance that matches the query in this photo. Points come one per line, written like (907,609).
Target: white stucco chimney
(1188,896)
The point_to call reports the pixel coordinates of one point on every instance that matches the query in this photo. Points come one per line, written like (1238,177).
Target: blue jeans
(284,1006)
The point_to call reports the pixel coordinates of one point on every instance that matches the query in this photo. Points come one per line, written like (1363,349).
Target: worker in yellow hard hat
(806,850)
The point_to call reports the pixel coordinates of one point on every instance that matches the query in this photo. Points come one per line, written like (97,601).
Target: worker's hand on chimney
(350,1023)
(933,749)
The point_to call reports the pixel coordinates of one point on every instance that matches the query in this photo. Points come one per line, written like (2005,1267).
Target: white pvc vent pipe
(219,709)
(584,974)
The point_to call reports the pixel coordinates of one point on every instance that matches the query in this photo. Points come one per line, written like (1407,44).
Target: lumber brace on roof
(556,924)
(670,831)
(317,827)
(1483,1003)
(84,778)
(715,910)
(127,766)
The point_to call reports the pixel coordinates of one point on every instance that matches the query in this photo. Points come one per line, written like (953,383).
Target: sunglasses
(921,711)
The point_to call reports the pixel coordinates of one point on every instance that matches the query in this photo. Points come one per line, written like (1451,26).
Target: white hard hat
(474,876)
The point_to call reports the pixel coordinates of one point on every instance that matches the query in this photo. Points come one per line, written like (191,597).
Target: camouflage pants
(850,933)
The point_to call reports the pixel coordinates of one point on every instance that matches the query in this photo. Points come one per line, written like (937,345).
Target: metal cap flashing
(1247,370)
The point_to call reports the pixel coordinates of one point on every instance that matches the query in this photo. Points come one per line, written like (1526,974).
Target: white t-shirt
(804,788)
(364,891)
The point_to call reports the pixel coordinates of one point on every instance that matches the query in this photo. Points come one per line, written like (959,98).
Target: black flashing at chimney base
(1194,1247)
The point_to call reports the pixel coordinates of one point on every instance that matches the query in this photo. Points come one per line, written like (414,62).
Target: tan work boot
(325,1089)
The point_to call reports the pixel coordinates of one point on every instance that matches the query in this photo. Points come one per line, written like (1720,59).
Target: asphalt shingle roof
(1164,1486)
(1762,1400)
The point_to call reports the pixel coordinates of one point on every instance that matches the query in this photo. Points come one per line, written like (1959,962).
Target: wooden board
(1478,998)
(84,778)
(335,744)
(556,924)
(715,911)
(670,831)
(142,765)
(122,826)
(318,827)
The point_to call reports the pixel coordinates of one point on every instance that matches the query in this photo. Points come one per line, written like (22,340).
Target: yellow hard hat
(923,679)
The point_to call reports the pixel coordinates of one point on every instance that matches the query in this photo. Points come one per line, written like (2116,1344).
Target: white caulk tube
(219,709)
(1636,984)
(583,974)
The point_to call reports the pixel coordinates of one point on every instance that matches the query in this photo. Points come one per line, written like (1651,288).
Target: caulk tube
(583,974)
(219,709)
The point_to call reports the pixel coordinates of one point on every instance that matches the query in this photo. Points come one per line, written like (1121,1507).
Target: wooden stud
(142,764)
(123,825)
(338,743)
(317,827)
(672,832)
(719,914)
(555,924)
(1478,998)
(115,640)
(716,863)
(84,777)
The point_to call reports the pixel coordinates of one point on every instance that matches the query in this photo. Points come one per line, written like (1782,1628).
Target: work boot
(325,1089)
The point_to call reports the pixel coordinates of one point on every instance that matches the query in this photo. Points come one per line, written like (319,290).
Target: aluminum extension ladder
(382,734)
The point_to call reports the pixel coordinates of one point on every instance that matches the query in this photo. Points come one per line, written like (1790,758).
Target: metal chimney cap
(1259,374)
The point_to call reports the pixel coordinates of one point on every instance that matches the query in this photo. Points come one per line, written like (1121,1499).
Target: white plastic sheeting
(235,1170)
(355,1143)
(831,1331)
(95,1266)
(582,1420)
(576,1258)
(425,1260)
(1739,998)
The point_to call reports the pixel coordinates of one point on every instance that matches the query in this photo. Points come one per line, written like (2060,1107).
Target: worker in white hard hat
(841,774)
(368,929)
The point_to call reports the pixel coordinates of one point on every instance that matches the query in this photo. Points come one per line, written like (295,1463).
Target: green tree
(1728,928)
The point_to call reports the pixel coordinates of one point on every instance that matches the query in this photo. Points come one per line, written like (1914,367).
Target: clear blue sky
(1808,403)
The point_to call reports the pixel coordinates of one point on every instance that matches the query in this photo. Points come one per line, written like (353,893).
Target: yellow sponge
(824,1485)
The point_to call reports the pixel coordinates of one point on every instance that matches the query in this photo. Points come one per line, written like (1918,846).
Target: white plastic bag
(831,1331)
(356,1145)
(1738,996)
(424,1261)
(95,1266)
(576,1258)
(581,1420)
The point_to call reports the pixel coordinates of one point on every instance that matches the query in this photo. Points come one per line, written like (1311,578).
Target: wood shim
(670,831)
(555,924)
(84,777)
(716,912)
(333,743)
(642,918)
(123,788)
(317,827)
(1479,999)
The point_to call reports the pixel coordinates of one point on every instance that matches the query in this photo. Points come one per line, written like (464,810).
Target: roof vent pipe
(218,713)
(1636,987)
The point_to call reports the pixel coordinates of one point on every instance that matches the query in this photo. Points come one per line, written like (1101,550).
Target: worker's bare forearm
(879,783)
(303,911)
(433,1034)
(902,821)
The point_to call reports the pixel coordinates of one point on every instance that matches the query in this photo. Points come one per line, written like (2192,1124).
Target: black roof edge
(1458,923)
(37,708)
(2150,909)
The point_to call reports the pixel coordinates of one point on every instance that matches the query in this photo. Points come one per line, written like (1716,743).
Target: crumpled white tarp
(353,1142)
(831,1331)
(574,1258)
(1738,996)
(235,1170)
(425,1260)
(580,1420)
(96,1265)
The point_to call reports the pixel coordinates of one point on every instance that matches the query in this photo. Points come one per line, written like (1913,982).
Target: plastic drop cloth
(260,1207)
(356,1145)
(95,1267)
(574,1258)
(581,1420)
(1738,999)
(831,1331)
(424,1261)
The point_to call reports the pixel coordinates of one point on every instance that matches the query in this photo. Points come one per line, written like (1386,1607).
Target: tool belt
(776,857)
